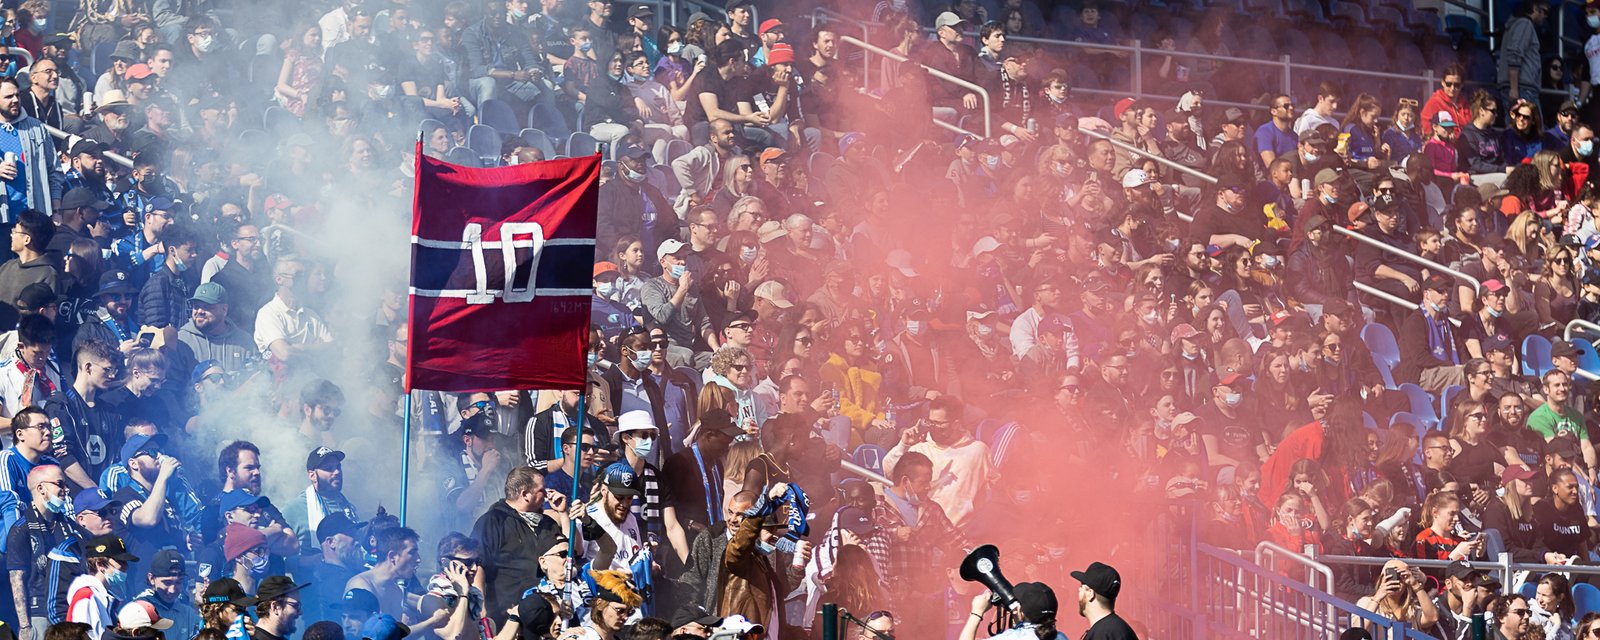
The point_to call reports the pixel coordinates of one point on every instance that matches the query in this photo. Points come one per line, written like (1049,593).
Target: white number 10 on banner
(511,238)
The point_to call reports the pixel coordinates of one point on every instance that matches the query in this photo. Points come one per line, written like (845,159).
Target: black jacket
(511,550)
(1317,275)
(658,404)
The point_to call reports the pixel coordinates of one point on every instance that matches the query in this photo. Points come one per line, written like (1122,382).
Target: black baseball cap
(691,613)
(718,420)
(477,425)
(856,521)
(37,296)
(358,600)
(274,587)
(168,563)
(108,546)
(1038,601)
(1101,579)
(114,281)
(83,198)
(87,147)
(641,11)
(323,456)
(622,480)
(227,590)
(336,523)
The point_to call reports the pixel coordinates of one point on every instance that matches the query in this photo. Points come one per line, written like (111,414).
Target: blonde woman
(1555,296)
(735,463)
(1400,594)
(738,181)
(1528,233)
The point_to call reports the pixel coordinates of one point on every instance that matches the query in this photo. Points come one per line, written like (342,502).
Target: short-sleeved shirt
(709,81)
(28,546)
(1550,424)
(1270,138)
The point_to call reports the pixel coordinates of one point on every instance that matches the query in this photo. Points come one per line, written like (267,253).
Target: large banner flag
(501,264)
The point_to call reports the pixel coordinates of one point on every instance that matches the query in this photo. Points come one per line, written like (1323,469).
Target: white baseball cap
(740,625)
(1135,178)
(140,614)
(985,245)
(669,247)
(774,292)
(947,19)
(900,260)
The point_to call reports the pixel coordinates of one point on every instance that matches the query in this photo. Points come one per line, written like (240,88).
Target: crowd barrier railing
(1411,257)
(982,93)
(1238,598)
(109,155)
(1587,328)
(1501,566)
(824,15)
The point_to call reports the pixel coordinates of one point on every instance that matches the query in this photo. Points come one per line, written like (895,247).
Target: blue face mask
(1437,308)
(116,580)
(748,254)
(593,358)
(56,505)
(179,265)
(1232,399)
(677,271)
(586,47)
(1585,148)
(1493,312)
(1311,157)
(991,162)
(605,289)
(258,566)
(643,447)
(641,360)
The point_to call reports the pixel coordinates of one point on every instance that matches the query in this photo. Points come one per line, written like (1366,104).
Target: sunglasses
(1451,84)
(739,367)
(739,325)
(1072,388)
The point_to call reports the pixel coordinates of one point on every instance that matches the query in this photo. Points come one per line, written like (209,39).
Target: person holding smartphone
(1400,595)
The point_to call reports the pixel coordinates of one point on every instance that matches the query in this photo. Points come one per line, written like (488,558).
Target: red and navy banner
(501,270)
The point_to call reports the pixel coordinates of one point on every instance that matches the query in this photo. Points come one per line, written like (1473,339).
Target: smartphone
(145,339)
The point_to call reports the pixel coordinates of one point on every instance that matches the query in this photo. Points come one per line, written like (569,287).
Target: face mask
(615,76)
(1330,198)
(605,289)
(1022,497)
(764,548)
(748,254)
(985,330)
(593,358)
(1585,148)
(1151,318)
(116,579)
(40,24)
(1494,313)
(1190,356)
(644,447)
(206,43)
(1594,21)
(675,48)
(586,47)
(1060,169)
(1305,366)
(1055,100)
(258,565)
(991,162)
(56,505)
(641,360)
(179,265)
(914,327)
(1311,157)
(1269,262)
(677,271)
(1437,308)
(516,16)
(1174,244)
(1232,399)
(384,91)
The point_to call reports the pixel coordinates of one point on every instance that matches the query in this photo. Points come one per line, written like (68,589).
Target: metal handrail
(824,15)
(1150,156)
(1258,585)
(1268,554)
(1576,323)
(982,93)
(109,155)
(1501,565)
(1411,257)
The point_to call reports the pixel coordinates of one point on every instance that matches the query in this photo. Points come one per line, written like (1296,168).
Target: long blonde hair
(738,458)
(1517,234)
(1547,161)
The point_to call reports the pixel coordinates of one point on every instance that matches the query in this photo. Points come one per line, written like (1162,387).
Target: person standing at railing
(1519,57)
(1354,538)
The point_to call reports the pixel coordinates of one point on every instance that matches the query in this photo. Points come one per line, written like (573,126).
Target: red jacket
(1461,109)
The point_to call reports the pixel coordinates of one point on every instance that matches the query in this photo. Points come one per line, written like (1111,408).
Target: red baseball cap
(780,53)
(768,25)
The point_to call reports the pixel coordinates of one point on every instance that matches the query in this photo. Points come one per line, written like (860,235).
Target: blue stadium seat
(498,115)
(484,141)
(463,156)
(675,149)
(538,139)
(869,456)
(1588,358)
(1367,421)
(1444,402)
(1422,402)
(1529,589)
(581,144)
(1535,355)
(1380,341)
(1586,599)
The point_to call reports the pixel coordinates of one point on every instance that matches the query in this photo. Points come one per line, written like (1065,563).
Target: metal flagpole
(411,329)
(405,460)
(577,474)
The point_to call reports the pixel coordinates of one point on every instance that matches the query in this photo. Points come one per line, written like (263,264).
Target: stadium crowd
(792,273)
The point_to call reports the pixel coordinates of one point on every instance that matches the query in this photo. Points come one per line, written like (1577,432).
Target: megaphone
(983,566)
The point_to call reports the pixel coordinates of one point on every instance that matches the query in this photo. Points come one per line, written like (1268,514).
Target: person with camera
(1036,603)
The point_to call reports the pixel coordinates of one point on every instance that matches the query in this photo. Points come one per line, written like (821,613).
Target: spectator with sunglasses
(1450,97)
(514,532)
(453,605)
(1524,137)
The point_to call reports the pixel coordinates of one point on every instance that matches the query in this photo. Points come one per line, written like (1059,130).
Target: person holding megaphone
(1036,603)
